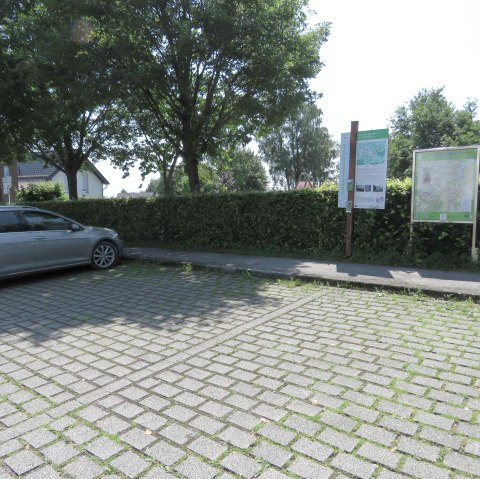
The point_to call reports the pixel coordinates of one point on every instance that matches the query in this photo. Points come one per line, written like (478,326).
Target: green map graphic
(445,187)
(371,152)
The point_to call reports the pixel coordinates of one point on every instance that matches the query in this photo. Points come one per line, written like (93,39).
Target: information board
(343,170)
(445,185)
(370,169)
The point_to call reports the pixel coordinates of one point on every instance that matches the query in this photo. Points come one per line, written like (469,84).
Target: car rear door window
(9,222)
(40,221)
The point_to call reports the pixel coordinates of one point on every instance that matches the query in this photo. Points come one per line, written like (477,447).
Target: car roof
(17,208)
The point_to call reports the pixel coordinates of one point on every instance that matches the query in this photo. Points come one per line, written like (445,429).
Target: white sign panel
(371,169)
(343,170)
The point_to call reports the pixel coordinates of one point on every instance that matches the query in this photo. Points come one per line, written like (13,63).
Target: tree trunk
(72,184)
(191,169)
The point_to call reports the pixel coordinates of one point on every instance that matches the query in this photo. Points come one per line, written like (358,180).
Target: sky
(379,55)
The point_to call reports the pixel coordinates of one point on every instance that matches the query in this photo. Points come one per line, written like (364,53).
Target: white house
(90,182)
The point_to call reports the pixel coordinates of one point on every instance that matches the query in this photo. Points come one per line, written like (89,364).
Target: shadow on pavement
(50,306)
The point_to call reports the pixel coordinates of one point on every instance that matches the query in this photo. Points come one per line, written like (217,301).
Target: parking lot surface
(162,373)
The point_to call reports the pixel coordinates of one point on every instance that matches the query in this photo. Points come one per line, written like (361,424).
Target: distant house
(90,182)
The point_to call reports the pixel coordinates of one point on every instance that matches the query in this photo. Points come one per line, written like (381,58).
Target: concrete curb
(438,283)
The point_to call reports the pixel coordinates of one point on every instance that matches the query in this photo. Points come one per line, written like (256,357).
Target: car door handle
(40,238)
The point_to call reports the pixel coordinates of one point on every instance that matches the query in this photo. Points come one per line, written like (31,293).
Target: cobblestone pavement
(160,373)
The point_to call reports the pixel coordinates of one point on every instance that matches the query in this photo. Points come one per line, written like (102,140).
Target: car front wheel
(105,255)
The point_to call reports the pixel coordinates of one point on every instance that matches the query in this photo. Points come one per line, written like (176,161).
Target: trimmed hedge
(306,221)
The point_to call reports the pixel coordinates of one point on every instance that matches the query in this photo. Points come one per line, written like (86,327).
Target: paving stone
(9,446)
(273,454)
(361,413)
(83,468)
(157,473)
(243,419)
(60,452)
(237,437)
(112,425)
(207,424)
(155,402)
(399,425)
(195,469)
(418,448)
(36,406)
(190,399)
(423,470)
(473,448)
(272,474)
(128,410)
(130,464)
(376,434)
(81,434)
(46,472)
(338,440)
(434,420)
(313,449)
(302,425)
(165,453)
(22,462)
(133,393)
(309,470)
(338,421)
(463,463)
(215,409)
(179,413)
(241,465)
(177,433)
(92,413)
(166,390)
(302,407)
(379,455)
(151,421)
(7,409)
(103,448)
(277,434)
(353,465)
(208,448)
(390,475)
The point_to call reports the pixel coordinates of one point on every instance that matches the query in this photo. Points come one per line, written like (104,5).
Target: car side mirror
(74,227)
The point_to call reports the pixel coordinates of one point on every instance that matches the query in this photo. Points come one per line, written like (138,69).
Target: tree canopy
(237,170)
(300,145)
(59,101)
(429,120)
(211,72)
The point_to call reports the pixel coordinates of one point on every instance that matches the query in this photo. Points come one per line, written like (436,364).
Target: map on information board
(371,152)
(445,185)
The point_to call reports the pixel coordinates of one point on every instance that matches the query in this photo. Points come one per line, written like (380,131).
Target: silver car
(33,240)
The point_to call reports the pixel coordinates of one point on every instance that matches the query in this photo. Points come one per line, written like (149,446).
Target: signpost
(363,174)
(445,187)
(7,184)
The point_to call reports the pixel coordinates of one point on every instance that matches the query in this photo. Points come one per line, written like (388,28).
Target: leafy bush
(306,221)
(43,191)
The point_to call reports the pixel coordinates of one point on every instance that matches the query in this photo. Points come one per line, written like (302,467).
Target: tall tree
(240,169)
(59,102)
(429,120)
(300,145)
(212,71)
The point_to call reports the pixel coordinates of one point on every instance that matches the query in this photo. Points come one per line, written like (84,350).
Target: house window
(85,182)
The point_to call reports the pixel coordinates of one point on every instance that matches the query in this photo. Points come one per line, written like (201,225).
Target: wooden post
(351,188)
